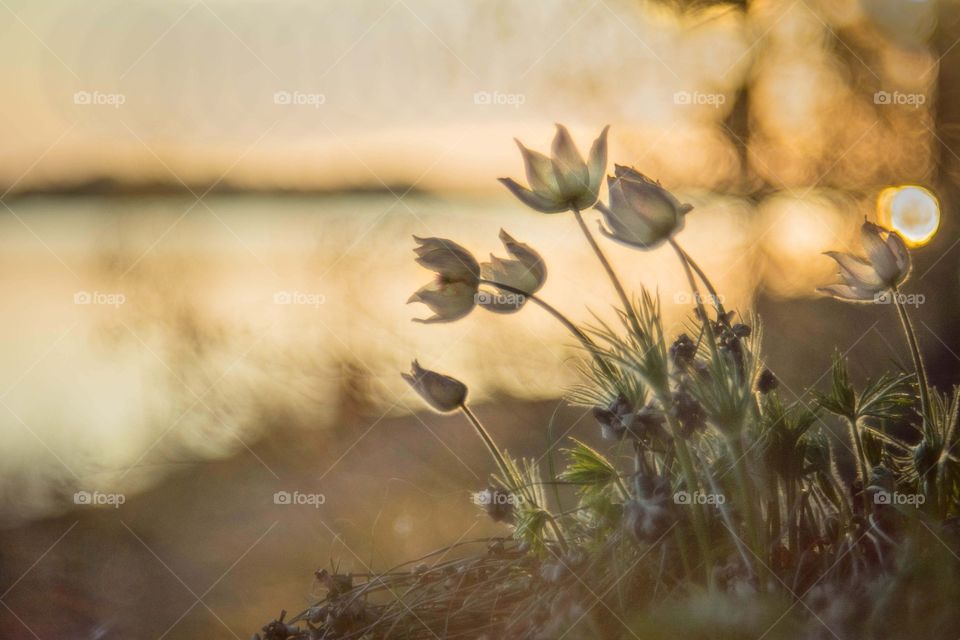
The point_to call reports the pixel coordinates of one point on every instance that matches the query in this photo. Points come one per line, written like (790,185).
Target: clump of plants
(716,507)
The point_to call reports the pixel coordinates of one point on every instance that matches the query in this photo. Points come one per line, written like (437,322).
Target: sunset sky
(431,92)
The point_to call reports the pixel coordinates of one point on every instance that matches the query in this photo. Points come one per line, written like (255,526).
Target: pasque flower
(443,393)
(524,271)
(641,213)
(453,293)
(886,266)
(563,180)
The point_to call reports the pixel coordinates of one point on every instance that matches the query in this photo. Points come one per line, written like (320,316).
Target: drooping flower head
(453,293)
(886,266)
(443,393)
(563,180)
(525,271)
(641,213)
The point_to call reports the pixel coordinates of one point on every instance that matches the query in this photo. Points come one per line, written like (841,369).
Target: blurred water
(141,332)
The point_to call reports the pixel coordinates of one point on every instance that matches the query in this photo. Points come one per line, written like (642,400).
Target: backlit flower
(886,266)
(524,271)
(641,213)
(453,293)
(563,180)
(441,392)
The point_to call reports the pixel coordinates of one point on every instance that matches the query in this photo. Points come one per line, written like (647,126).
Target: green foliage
(643,352)
(887,398)
(588,469)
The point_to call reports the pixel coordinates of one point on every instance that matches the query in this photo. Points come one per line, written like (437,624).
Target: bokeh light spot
(912,211)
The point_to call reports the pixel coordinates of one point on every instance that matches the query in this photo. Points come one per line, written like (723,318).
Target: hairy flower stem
(507,472)
(584,339)
(917,362)
(735,445)
(690,478)
(624,299)
(862,465)
(714,296)
(695,291)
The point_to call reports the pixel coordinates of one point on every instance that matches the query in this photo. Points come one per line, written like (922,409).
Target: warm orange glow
(912,211)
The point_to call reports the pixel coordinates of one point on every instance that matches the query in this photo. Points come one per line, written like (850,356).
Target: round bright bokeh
(912,211)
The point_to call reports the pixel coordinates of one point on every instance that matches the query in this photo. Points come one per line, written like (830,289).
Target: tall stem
(695,291)
(492,448)
(691,481)
(509,476)
(862,465)
(624,299)
(700,274)
(735,446)
(584,339)
(917,360)
(564,320)
(699,523)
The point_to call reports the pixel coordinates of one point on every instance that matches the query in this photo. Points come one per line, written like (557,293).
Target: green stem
(744,490)
(690,479)
(492,448)
(584,339)
(557,531)
(509,476)
(793,531)
(564,320)
(917,361)
(703,277)
(695,291)
(627,307)
(862,465)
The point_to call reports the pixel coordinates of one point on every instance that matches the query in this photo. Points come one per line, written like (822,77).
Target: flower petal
(533,200)
(540,173)
(597,163)
(900,254)
(448,259)
(848,293)
(528,257)
(857,272)
(878,252)
(573,177)
(564,151)
(449,301)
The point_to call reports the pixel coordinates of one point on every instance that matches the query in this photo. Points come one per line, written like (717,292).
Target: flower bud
(641,214)
(443,393)
(767,381)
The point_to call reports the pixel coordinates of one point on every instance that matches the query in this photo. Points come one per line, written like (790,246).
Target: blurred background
(205,255)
